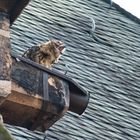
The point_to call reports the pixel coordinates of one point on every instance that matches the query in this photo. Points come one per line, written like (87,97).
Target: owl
(46,54)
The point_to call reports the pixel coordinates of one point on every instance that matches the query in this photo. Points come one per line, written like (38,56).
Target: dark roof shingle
(110,73)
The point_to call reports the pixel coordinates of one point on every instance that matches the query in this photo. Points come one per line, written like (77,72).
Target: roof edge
(124,12)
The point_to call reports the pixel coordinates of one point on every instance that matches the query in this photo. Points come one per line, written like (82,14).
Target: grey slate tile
(110,73)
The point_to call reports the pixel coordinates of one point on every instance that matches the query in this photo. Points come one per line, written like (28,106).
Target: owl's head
(52,51)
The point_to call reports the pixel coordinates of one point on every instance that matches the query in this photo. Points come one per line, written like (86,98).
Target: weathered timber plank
(34,103)
(5,58)
(79,97)
(20,96)
(42,105)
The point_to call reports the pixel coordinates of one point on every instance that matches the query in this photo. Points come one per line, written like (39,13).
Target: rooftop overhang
(42,94)
(79,97)
(13,8)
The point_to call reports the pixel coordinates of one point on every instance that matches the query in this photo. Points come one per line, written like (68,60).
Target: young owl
(46,54)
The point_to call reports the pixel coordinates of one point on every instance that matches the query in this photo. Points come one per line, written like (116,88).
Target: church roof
(105,62)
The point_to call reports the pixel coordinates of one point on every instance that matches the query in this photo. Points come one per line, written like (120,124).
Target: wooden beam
(31,94)
(5,58)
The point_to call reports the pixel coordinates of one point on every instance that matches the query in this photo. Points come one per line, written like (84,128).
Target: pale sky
(133,6)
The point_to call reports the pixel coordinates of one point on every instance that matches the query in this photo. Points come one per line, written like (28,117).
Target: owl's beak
(61,47)
(61,50)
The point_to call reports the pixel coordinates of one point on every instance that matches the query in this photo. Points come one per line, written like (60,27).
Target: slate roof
(109,69)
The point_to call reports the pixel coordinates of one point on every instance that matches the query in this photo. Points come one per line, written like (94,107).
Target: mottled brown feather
(45,54)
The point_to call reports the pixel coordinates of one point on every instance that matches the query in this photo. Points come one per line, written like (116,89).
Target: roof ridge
(124,12)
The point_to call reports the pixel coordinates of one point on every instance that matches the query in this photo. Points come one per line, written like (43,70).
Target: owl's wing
(31,51)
